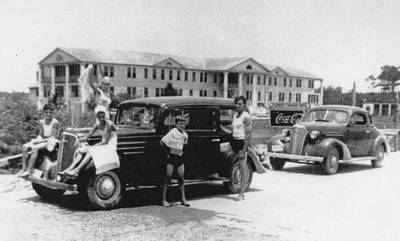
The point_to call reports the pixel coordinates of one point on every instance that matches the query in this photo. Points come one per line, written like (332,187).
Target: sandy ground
(297,203)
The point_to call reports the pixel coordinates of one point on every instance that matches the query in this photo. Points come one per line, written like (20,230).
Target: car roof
(181,101)
(347,108)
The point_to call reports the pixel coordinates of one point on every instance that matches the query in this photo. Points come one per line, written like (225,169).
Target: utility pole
(354,93)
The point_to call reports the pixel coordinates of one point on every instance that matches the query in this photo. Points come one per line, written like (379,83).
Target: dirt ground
(297,203)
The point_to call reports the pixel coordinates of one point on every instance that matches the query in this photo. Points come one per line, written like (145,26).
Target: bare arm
(111,128)
(92,131)
(247,129)
(226,130)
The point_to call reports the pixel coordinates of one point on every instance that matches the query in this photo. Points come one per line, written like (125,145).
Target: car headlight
(314,134)
(285,132)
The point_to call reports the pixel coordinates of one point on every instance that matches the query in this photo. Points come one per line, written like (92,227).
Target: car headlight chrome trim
(314,134)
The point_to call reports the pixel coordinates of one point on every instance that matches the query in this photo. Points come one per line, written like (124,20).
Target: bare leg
(181,181)
(168,174)
(76,170)
(32,160)
(24,160)
(243,174)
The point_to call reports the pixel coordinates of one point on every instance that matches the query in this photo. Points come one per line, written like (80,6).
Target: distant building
(142,74)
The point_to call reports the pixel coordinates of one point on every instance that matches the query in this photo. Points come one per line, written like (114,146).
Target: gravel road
(297,203)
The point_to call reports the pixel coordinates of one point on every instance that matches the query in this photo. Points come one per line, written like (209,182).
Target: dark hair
(47,107)
(179,119)
(237,98)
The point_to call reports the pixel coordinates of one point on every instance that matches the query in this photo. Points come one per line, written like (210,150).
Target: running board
(301,158)
(52,184)
(357,159)
(174,183)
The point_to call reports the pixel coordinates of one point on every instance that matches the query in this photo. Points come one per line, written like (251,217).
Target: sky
(339,41)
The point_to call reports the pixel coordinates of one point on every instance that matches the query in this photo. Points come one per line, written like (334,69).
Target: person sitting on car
(48,130)
(104,154)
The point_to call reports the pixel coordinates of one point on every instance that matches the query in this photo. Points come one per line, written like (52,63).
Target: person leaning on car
(241,136)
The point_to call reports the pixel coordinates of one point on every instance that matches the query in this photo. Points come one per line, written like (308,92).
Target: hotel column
(53,79)
(40,88)
(254,94)
(66,84)
(240,84)
(322,94)
(226,84)
(81,87)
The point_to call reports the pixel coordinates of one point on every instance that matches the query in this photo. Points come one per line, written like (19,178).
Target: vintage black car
(142,161)
(328,135)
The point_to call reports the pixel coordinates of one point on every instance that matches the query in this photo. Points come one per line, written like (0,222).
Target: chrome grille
(297,139)
(66,150)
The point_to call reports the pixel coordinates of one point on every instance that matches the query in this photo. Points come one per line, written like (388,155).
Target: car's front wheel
(234,183)
(46,193)
(379,154)
(331,162)
(105,190)
(277,163)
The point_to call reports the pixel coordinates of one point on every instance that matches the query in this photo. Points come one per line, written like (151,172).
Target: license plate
(37,173)
(276,148)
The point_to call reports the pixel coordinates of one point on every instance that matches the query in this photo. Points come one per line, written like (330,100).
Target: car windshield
(327,116)
(138,115)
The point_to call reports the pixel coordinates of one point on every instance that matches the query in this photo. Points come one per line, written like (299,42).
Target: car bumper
(296,158)
(52,184)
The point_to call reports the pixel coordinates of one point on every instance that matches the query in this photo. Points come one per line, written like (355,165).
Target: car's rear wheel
(331,162)
(105,190)
(379,154)
(234,183)
(277,163)
(46,193)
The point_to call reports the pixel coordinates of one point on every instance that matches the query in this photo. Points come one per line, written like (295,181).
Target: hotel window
(133,72)
(158,91)
(146,73)
(180,92)
(46,91)
(205,92)
(290,97)
(298,82)
(128,72)
(247,79)
(264,80)
(129,90)
(60,70)
(94,70)
(162,74)
(178,75)
(194,76)
(310,84)
(259,96)
(60,91)
(290,82)
(281,97)
(106,70)
(275,81)
(215,77)
(298,97)
(248,95)
(109,70)
(259,80)
(284,81)
(134,91)
(205,77)
(146,92)
(270,81)
(74,70)
(186,75)
(190,92)
(74,91)
(154,73)
(270,96)
(170,74)
(201,76)
(215,93)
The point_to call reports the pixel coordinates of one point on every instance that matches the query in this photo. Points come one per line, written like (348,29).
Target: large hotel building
(141,74)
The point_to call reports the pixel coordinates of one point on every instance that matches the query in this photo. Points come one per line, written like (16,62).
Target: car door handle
(215,139)
(368,131)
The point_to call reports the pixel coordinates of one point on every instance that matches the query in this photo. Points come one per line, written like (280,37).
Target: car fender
(381,139)
(255,160)
(322,148)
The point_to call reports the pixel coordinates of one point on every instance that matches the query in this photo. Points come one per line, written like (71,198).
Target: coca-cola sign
(285,117)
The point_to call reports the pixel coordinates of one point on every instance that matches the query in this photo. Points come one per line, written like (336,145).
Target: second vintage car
(328,135)
(141,123)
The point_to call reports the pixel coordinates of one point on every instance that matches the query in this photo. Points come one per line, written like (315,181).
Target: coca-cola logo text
(285,118)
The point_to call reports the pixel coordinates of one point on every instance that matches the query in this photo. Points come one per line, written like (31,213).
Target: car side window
(197,118)
(225,116)
(358,119)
